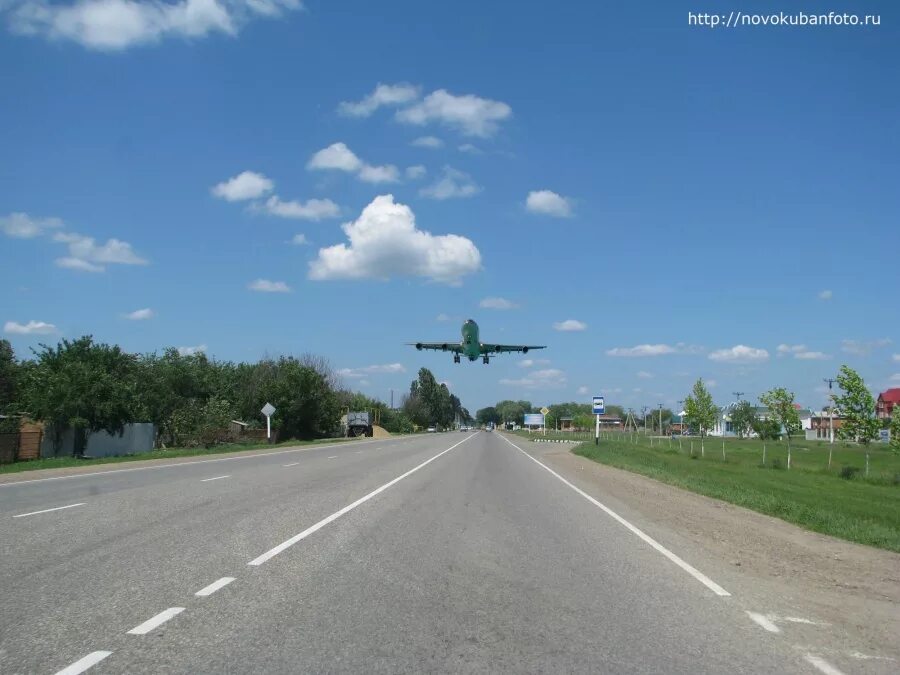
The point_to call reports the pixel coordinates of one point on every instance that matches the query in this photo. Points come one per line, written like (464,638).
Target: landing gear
(456,358)
(486,360)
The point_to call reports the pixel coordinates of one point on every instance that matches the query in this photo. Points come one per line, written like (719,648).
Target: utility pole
(830,381)
(738,394)
(644,410)
(681,418)
(660,418)
(392,399)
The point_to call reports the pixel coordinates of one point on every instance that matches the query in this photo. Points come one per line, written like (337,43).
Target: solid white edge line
(58,508)
(271,553)
(764,622)
(333,457)
(84,663)
(694,572)
(213,587)
(156,621)
(206,480)
(822,665)
(291,464)
(303,448)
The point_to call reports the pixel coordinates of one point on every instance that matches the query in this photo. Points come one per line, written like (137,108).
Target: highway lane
(478,560)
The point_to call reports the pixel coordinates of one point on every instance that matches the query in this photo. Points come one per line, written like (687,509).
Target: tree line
(191,398)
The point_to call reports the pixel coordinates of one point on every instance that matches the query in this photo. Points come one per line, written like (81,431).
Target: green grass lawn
(61,462)
(859,509)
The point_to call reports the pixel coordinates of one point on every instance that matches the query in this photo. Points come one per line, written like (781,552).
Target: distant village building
(884,408)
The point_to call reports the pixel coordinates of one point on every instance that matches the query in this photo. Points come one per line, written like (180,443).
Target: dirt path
(847,595)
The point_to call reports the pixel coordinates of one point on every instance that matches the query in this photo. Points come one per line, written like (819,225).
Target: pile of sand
(380,432)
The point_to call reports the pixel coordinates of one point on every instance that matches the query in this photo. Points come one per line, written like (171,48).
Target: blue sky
(701,197)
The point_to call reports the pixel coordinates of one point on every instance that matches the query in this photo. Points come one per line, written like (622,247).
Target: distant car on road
(431,430)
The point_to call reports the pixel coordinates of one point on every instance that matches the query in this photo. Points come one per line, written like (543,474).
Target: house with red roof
(886,402)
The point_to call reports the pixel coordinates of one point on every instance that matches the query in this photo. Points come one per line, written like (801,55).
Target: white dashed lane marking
(58,508)
(156,621)
(84,663)
(214,586)
(206,480)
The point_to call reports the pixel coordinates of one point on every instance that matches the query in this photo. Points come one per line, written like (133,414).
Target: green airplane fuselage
(470,343)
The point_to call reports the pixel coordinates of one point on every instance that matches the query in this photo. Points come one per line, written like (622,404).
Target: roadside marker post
(598,408)
(268,410)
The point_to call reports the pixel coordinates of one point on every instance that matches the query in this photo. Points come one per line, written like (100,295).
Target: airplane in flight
(471,347)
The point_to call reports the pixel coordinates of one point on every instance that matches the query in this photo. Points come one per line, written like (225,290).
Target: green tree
(86,386)
(487,415)
(895,429)
(857,408)
(742,418)
(10,373)
(700,410)
(780,403)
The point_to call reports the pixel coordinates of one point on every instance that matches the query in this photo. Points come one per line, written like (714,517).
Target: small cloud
(860,348)
(895,377)
(740,354)
(266,286)
(569,325)
(471,115)
(299,240)
(70,263)
(582,391)
(140,314)
(641,350)
(644,375)
(336,156)
(312,209)
(356,373)
(246,185)
(416,172)
(442,317)
(825,295)
(387,173)
(23,226)
(432,142)
(712,384)
(812,356)
(550,378)
(896,358)
(497,303)
(470,149)
(548,203)
(383,95)
(192,351)
(528,363)
(30,328)
(453,184)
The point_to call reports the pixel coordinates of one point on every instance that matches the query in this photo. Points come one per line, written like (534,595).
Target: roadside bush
(777,464)
(849,472)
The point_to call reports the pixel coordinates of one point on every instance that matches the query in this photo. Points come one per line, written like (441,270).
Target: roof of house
(891,395)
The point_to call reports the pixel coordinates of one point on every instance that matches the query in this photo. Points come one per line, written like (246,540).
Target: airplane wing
(503,349)
(438,346)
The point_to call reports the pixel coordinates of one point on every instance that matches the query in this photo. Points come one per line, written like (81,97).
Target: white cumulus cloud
(299,240)
(825,295)
(266,286)
(246,185)
(812,356)
(312,209)
(383,95)
(896,358)
(338,157)
(528,363)
(442,317)
(548,203)
(570,325)
(23,226)
(140,314)
(582,391)
(469,114)
(385,242)
(497,303)
(644,375)
(470,149)
(192,351)
(431,142)
(740,354)
(86,255)
(112,25)
(30,328)
(654,350)
(387,173)
(452,184)
(862,348)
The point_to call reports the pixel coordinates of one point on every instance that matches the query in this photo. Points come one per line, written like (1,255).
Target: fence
(20,446)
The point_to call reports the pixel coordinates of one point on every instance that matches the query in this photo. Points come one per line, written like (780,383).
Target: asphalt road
(453,552)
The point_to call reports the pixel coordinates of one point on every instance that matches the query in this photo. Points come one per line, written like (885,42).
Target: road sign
(598,406)
(545,410)
(533,419)
(268,410)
